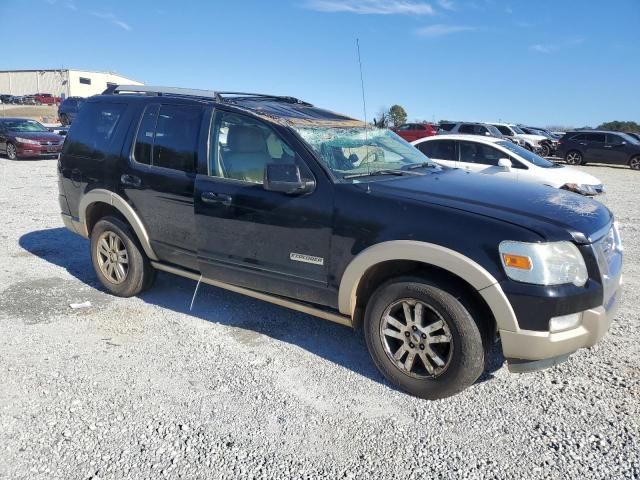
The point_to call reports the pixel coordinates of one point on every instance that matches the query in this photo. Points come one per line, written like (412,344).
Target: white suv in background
(501,158)
(532,142)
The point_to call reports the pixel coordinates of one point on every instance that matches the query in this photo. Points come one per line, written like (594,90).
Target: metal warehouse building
(61,83)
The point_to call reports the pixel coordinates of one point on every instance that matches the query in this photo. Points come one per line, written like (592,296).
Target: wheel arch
(99,198)
(405,256)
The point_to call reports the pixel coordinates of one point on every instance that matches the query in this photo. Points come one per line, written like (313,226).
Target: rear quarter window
(94,130)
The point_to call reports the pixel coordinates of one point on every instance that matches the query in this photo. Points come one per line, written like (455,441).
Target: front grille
(608,252)
(49,144)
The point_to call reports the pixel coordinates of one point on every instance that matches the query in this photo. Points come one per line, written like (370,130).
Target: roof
(460,136)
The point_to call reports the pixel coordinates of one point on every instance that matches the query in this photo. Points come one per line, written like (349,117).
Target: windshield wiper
(421,165)
(374,173)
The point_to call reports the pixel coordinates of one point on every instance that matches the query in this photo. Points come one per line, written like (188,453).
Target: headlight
(27,141)
(554,263)
(582,188)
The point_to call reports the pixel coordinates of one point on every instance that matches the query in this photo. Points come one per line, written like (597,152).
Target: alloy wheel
(12,153)
(574,158)
(416,338)
(113,258)
(635,163)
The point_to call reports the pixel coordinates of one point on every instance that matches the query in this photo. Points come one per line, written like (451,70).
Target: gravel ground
(142,388)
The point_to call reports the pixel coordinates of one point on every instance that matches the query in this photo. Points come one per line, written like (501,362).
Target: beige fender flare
(431,254)
(119,203)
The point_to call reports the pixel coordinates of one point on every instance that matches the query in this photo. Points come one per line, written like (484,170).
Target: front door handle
(130,180)
(212,197)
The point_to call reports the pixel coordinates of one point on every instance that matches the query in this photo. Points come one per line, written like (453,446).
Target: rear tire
(546,150)
(12,152)
(634,163)
(118,258)
(64,120)
(574,158)
(423,339)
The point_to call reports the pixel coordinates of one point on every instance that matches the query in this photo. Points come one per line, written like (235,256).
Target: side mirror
(505,163)
(286,178)
(487,134)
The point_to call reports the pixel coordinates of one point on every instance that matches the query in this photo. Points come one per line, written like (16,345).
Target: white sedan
(493,156)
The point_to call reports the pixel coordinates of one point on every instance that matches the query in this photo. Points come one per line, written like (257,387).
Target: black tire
(546,150)
(634,163)
(139,274)
(64,120)
(12,153)
(464,354)
(574,157)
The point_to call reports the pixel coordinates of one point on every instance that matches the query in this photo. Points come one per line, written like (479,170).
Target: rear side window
(438,149)
(447,127)
(92,134)
(467,128)
(595,137)
(168,137)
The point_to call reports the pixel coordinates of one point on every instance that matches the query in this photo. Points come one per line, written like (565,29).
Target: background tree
(619,126)
(397,115)
(382,119)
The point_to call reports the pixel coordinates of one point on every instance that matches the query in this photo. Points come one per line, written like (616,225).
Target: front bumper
(28,150)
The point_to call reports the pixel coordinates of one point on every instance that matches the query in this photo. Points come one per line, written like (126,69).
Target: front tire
(423,339)
(12,151)
(64,120)
(634,163)
(546,150)
(118,258)
(573,158)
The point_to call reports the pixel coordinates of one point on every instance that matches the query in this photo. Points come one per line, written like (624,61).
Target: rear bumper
(545,348)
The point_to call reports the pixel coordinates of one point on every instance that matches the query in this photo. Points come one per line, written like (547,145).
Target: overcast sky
(570,62)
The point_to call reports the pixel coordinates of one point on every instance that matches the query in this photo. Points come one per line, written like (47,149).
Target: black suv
(583,146)
(68,109)
(292,204)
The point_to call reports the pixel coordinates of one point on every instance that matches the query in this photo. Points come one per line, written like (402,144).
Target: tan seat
(248,155)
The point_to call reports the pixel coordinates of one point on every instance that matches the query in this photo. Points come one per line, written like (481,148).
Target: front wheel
(423,339)
(64,120)
(634,163)
(546,150)
(118,259)
(573,158)
(12,151)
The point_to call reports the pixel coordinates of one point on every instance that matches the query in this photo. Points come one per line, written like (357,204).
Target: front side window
(614,139)
(439,149)
(92,134)
(447,127)
(505,130)
(242,147)
(529,156)
(168,137)
(516,129)
(467,128)
(350,152)
(472,152)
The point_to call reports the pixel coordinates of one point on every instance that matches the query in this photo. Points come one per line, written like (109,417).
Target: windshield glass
(528,156)
(494,131)
(355,151)
(24,126)
(516,129)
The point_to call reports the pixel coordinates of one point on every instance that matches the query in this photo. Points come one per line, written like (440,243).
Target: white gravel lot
(142,388)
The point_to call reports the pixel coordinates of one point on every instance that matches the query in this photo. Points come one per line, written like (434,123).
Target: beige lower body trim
(74,225)
(531,345)
(299,307)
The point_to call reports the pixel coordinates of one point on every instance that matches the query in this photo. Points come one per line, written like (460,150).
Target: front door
(615,150)
(595,150)
(160,178)
(251,237)
(483,158)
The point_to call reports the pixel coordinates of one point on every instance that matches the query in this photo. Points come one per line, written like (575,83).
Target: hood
(554,214)
(532,138)
(39,136)
(573,175)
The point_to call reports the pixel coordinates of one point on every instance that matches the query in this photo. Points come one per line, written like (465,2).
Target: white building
(60,83)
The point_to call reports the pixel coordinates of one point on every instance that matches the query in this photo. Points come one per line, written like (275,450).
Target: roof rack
(189,92)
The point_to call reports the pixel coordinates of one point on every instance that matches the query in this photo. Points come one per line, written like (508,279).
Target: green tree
(619,126)
(397,115)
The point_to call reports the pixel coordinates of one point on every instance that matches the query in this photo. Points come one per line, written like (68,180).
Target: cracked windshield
(357,152)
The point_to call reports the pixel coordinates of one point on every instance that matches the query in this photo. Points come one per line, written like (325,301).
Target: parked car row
(582,146)
(68,109)
(35,99)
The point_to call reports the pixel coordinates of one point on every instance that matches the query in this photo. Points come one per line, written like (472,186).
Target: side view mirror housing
(487,134)
(286,178)
(505,163)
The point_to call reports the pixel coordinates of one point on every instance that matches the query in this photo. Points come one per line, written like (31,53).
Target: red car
(414,131)
(47,99)
(21,138)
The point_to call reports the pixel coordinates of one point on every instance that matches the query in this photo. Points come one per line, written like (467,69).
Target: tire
(546,150)
(634,163)
(118,258)
(574,157)
(446,331)
(12,152)
(64,120)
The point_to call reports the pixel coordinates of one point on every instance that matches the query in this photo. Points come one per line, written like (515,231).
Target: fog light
(565,322)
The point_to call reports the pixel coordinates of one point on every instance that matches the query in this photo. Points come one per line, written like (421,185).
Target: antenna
(364,102)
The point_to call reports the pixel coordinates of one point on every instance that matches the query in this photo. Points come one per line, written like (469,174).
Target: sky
(538,62)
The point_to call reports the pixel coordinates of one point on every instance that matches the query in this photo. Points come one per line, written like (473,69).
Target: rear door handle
(130,180)
(212,197)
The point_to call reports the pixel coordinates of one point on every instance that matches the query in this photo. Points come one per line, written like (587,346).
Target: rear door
(160,177)
(595,150)
(259,239)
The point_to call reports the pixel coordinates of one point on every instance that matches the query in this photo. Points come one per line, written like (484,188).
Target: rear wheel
(118,259)
(573,158)
(423,339)
(546,150)
(634,163)
(64,120)
(12,152)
